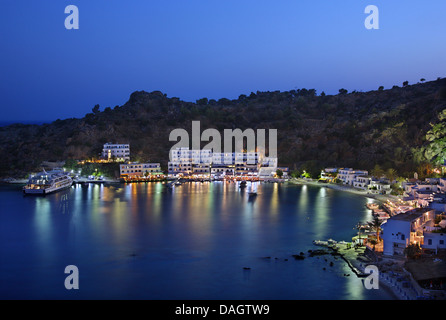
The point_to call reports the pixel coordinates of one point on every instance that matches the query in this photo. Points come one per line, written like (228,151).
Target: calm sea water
(144,241)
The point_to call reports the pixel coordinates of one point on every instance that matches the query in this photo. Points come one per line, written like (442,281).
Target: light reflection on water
(147,241)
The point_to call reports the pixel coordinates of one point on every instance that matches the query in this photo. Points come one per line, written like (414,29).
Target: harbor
(193,242)
(393,271)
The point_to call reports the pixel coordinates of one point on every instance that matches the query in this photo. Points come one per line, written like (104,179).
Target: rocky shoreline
(357,259)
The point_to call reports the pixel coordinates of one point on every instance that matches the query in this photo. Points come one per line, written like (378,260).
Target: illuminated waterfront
(145,241)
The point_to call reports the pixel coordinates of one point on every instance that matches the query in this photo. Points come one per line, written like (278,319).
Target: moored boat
(48,182)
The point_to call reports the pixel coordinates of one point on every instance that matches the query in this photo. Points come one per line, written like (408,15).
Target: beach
(379,197)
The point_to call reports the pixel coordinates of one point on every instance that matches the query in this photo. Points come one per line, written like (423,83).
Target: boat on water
(48,182)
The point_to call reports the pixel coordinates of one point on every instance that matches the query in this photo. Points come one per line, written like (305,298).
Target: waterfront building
(349,176)
(362,182)
(221,170)
(268,167)
(201,170)
(379,187)
(406,228)
(116,152)
(140,170)
(185,162)
(246,170)
(329,174)
(200,163)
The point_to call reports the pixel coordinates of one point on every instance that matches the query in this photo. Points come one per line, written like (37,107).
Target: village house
(349,176)
(362,182)
(406,228)
(379,187)
(329,174)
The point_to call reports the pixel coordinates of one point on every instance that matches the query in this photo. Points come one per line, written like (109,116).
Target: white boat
(48,182)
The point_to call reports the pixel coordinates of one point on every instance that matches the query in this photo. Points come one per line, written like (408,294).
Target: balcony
(417,237)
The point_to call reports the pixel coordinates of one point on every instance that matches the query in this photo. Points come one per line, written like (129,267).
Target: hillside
(358,129)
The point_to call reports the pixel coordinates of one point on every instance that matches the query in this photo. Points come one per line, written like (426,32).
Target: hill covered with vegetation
(402,128)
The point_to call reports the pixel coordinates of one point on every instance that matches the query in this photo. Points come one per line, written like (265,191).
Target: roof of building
(411,215)
(424,191)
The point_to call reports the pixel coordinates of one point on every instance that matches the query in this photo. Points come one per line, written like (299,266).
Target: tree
(377,171)
(375,225)
(413,251)
(70,164)
(391,174)
(279,173)
(224,101)
(296,173)
(343,91)
(203,101)
(381,88)
(95,109)
(435,151)
(405,83)
(424,170)
(107,110)
(422,79)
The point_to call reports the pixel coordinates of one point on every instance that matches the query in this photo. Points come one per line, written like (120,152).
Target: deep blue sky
(206,48)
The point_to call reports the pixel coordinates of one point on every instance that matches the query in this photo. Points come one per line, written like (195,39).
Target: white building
(134,170)
(329,174)
(186,162)
(349,176)
(434,241)
(117,152)
(379,187)
(268,167)
(362,182)
(205,162)
(406,228)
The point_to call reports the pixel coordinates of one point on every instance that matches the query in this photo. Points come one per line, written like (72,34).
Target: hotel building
(117,152)
(140,170)
(205,163)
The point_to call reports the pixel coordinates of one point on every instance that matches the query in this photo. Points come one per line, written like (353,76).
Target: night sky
(193,49)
